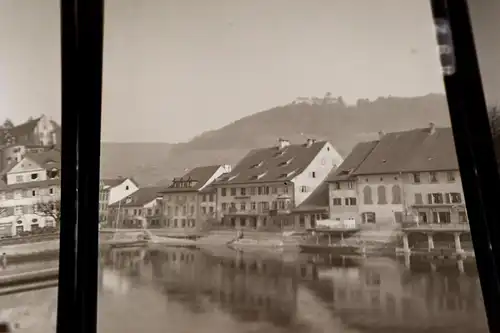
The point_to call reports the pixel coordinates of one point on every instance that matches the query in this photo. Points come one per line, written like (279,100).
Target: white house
(119,188)
(268,182)
(30,193)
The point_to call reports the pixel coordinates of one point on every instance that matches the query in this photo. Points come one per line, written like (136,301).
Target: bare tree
(51,209)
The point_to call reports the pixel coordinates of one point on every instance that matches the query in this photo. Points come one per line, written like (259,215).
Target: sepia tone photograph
(265,166)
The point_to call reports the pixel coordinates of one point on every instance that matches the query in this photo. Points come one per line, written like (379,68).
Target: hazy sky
(175,68)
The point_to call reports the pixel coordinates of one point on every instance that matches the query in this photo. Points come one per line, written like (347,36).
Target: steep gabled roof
(198,177)
(415,150)
(20,131)
(140,197)
(113,182)
(357,156)
(47,159)
(272,164)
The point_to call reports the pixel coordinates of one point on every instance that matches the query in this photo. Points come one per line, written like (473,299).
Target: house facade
(263,188)
(40,132)
(112,190)
(141,209)
(30,193)
(404,176)
(189,201)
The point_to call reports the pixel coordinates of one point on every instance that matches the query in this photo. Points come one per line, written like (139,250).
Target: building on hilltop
(267,183)
(189,201)
(32,136)
(112,190)
(30,193)
(141,209)
(409,175)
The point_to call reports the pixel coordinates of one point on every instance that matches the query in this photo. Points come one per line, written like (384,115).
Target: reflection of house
(379,292)
(140,209)
(187,202)
(241,285)
(267,183)
(31,191)
(404,175)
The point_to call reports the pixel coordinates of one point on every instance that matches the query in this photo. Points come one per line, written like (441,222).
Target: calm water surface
(183,290)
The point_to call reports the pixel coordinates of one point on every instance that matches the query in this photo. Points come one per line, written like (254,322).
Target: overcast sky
(175,68)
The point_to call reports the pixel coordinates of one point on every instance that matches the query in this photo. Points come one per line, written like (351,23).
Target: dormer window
(232,177)
(286,175)
(259,176)
(258,165)
(285,163)
(128,200)
(280,153)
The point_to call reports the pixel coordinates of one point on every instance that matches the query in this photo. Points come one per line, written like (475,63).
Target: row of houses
(402,176)
(30,162)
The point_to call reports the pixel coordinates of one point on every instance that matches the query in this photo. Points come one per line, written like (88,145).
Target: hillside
(343,125)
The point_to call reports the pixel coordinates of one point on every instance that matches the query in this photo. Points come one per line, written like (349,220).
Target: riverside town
(401,193)
(290,224)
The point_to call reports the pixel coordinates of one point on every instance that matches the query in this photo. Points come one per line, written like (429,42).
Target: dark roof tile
(359,153)
(415,150)
(198,177)
(272,164)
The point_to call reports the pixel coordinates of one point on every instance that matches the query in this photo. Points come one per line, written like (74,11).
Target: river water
(220,290)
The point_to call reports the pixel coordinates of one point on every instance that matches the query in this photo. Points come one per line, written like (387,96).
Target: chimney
(432,128)
(381,134)
(282,143)
(310,142)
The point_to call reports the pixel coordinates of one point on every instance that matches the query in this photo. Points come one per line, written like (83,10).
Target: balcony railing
(436,226)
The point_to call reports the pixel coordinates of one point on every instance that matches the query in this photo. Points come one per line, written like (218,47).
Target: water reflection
(358,295)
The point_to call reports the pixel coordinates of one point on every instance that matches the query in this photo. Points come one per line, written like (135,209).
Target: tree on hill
(7,124)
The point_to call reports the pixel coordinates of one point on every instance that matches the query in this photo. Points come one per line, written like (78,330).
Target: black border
(81,57)
(476,156)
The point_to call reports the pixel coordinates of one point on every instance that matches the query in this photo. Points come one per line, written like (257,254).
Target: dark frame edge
(475,153)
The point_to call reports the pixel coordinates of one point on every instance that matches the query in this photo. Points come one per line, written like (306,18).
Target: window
(223,192)
(381,194)
(350,185)
(233,191)
(34,176)
(350,201)
(313,174)
(304,189)
(337,201)
(336,186)
(252,190)
(416,178)
(243,206)
(396,194)
(433,177)
(243,191)
(450,175)
(418,199)
(367,195)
